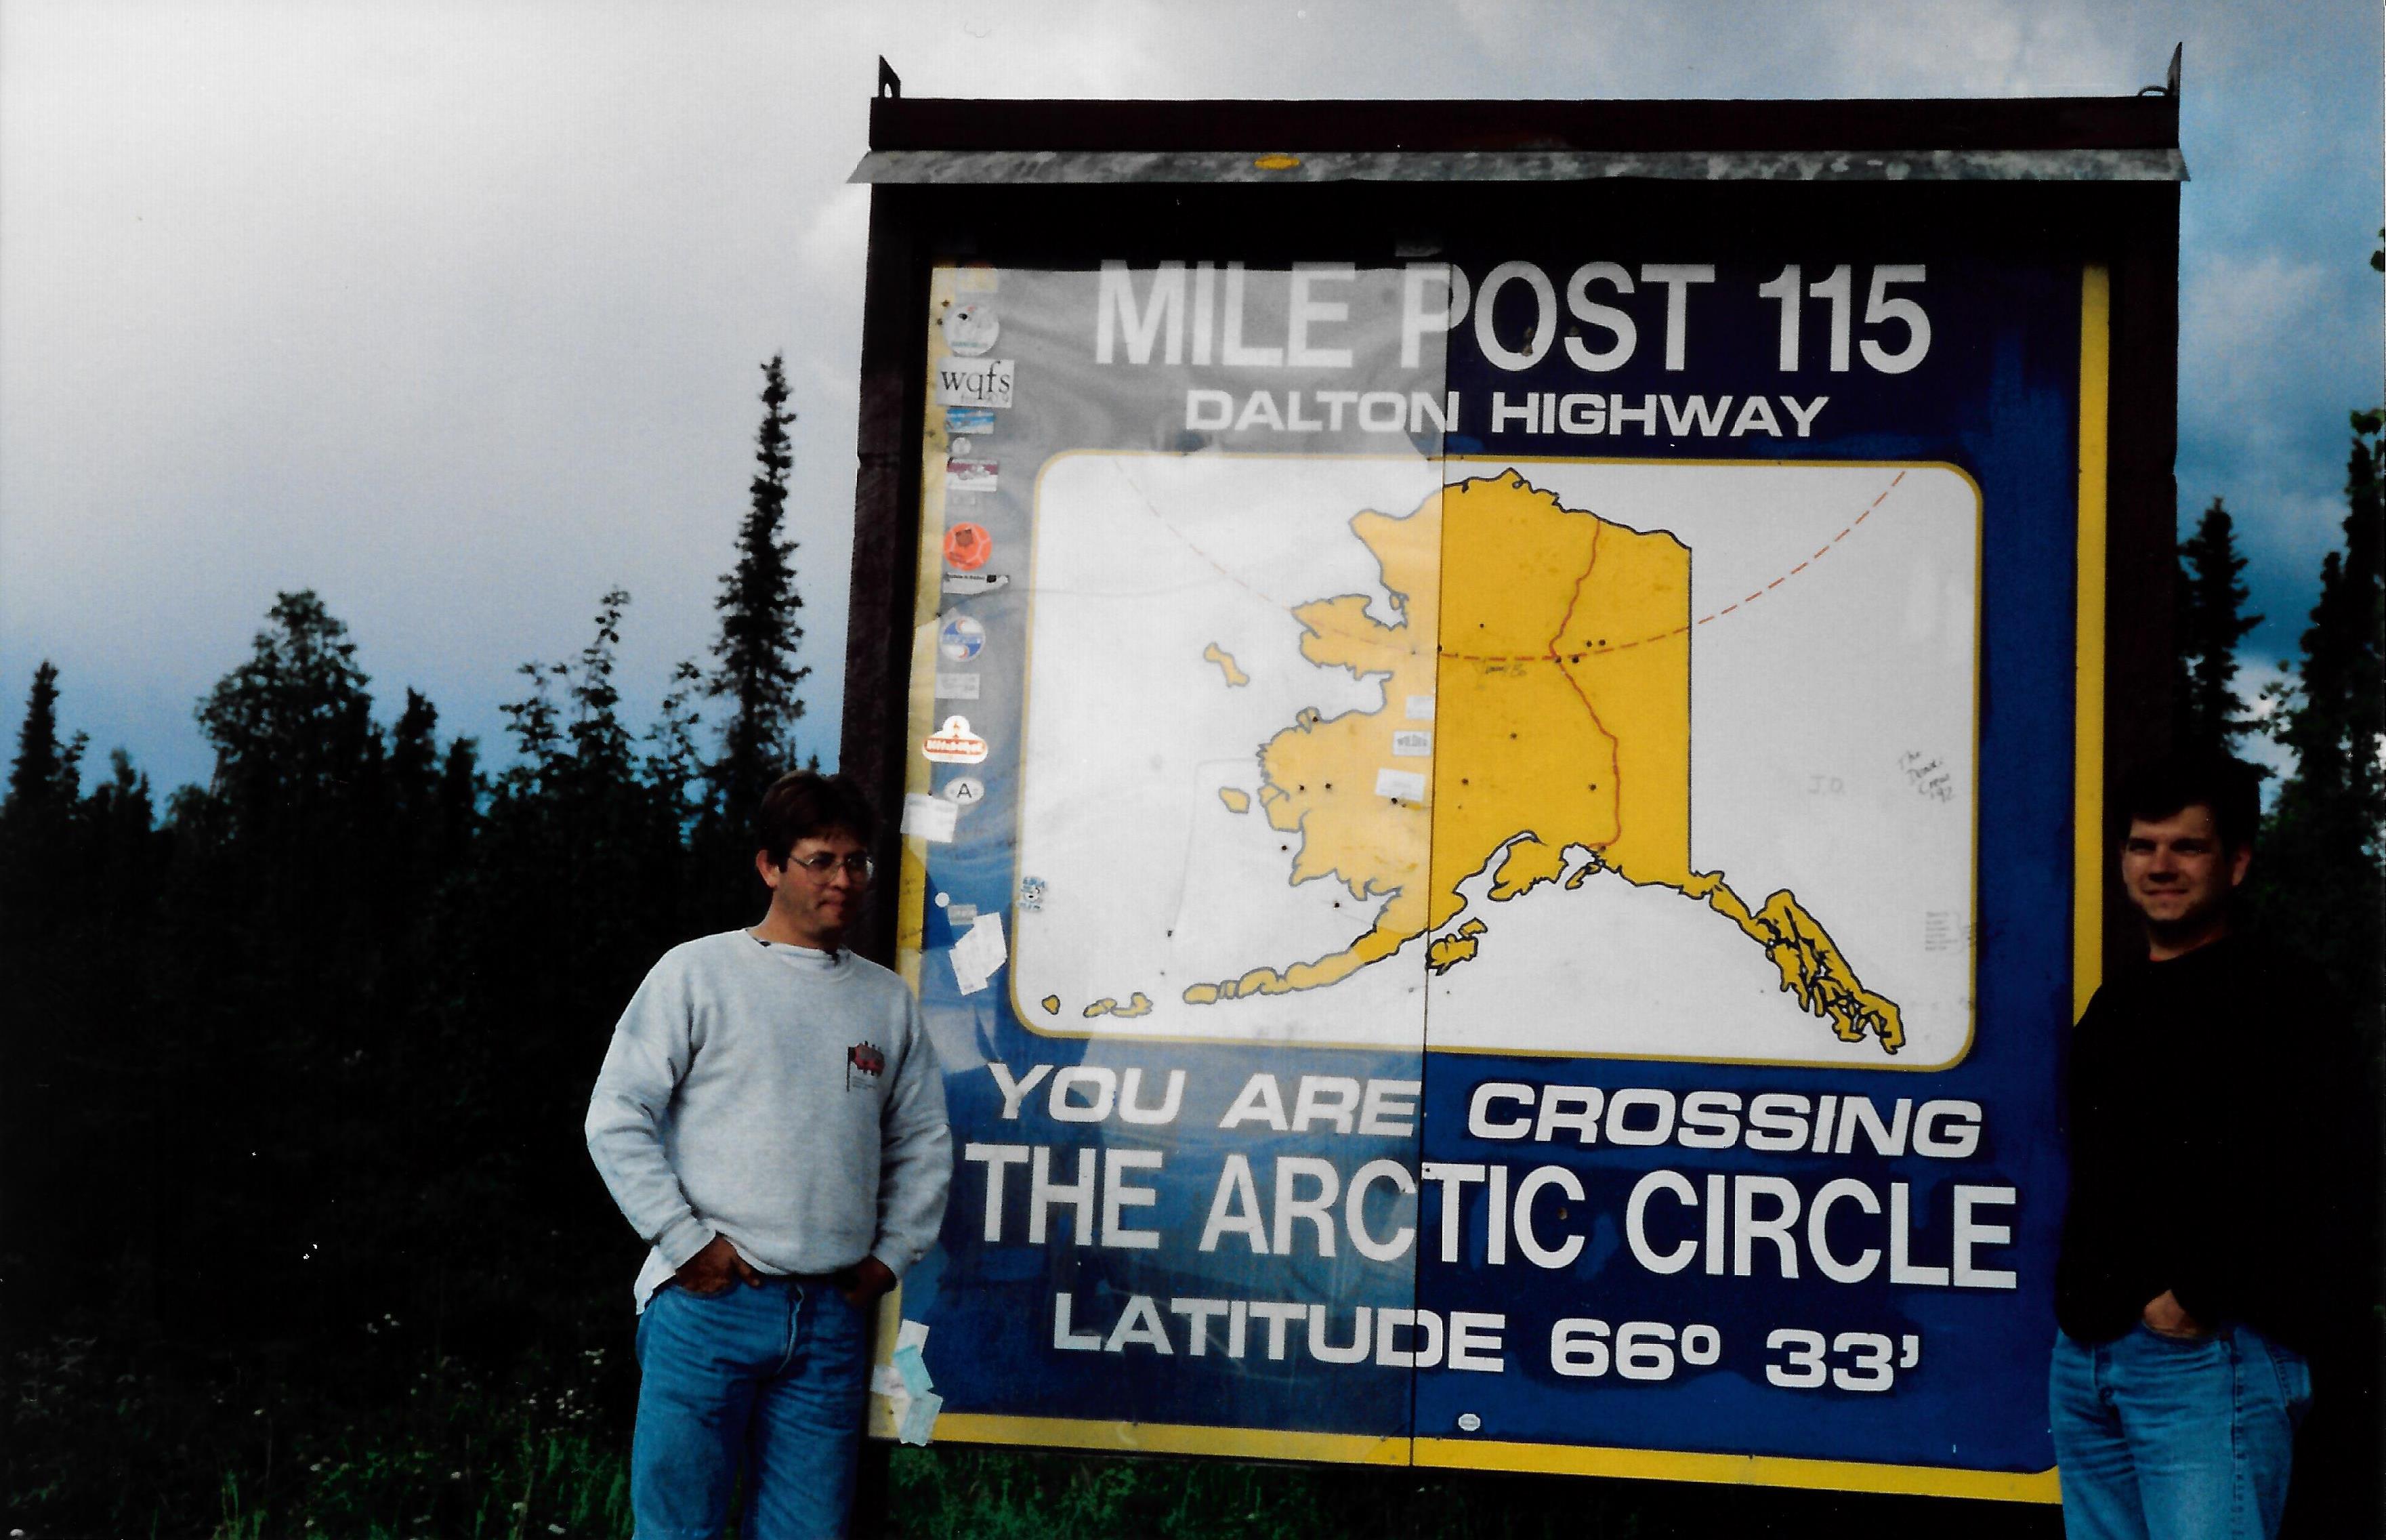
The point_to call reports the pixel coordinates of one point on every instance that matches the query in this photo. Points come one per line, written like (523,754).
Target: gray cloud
(453,312)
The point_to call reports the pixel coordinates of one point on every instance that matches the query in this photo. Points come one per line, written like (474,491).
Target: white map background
(1814,711)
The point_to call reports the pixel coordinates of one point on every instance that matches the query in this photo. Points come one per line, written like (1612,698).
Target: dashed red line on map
(1684,629)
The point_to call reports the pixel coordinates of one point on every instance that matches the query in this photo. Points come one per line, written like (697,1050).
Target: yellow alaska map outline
(1560,680)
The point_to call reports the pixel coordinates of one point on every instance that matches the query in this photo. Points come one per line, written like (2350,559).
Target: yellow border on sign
(2042,1486)
(1171,1438)
(919,775)
(1469,1453)
(2087,689)
(927,603)
(1827,1475)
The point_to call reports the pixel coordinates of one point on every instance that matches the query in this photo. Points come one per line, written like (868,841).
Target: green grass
(243,1447)
(992,1495)
(382,1439)
(502,1478)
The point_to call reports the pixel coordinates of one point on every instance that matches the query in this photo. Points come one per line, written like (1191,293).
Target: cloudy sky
(453,312)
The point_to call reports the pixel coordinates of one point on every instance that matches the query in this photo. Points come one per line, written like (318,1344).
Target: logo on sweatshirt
(868,1059)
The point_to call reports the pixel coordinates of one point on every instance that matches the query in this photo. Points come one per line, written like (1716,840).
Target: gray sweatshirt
(784,1097)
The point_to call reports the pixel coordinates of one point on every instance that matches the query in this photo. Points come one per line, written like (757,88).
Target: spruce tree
(414,751)
(756,671)
(459,797)
(120,816)
(34,774)
(2207,714)
(2319,877)
(2333,721)
(46,774)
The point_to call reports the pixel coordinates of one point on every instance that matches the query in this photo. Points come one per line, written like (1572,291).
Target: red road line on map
(1684,629)
(1500,658)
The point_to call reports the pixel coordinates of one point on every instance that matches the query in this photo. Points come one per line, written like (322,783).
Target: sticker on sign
(954,743)
(967,546)
(979,952)
(961,639)
(931,818)
(971,475)
(973,382)
(971,328)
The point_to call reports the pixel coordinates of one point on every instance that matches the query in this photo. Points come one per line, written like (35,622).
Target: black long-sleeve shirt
(2213,1103)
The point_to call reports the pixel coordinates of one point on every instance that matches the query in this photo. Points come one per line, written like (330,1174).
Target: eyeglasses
(820,864)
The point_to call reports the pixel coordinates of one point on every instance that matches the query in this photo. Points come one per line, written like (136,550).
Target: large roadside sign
(1501,752)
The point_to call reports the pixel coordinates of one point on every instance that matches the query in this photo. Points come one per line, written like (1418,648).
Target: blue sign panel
(1491,857)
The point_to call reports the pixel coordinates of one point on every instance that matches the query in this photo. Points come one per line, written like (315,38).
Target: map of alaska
(1556,649)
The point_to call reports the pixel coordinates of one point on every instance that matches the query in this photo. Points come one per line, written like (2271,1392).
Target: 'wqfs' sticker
(987,383)
(963,639)
(865,1059)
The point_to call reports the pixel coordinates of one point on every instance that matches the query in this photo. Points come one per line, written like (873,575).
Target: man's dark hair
(2168,787)
(802,803)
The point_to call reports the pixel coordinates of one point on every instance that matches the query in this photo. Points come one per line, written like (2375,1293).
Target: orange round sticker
(968,545)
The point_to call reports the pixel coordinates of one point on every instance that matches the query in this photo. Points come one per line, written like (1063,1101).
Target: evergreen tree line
(314,1045)
(2319,880)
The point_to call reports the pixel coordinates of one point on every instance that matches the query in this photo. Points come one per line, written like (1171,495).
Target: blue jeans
(770,1377)
(2161,1439)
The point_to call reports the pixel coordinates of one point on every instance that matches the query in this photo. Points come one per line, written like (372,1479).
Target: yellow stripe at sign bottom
(1828,1475)
(1469,1454)
(1170,1438)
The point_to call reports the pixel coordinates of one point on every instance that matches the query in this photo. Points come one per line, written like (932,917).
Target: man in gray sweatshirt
(771,1120)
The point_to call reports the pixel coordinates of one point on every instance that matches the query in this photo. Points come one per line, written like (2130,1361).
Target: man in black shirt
(2198,1251)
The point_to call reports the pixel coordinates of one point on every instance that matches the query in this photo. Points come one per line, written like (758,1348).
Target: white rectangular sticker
(1412,744)
(1407,785)
(973,382)
(971,475)
(931,818)
(956,687)
(978,954)
(1419,708)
